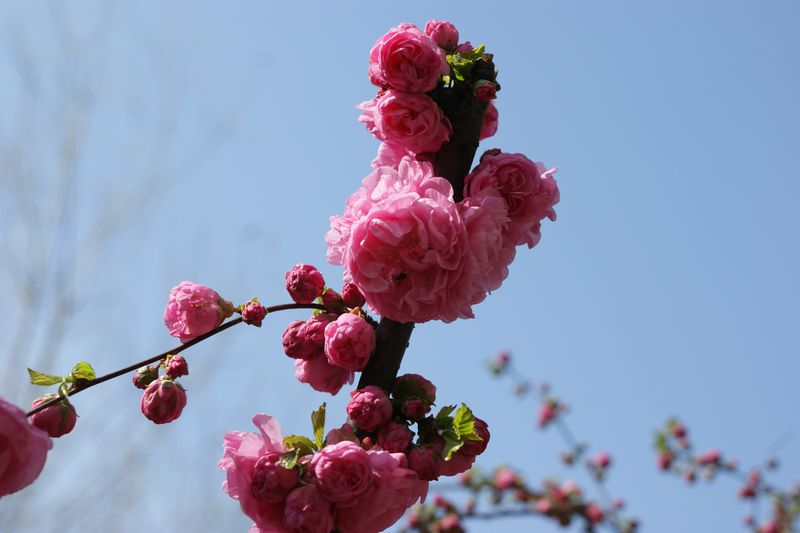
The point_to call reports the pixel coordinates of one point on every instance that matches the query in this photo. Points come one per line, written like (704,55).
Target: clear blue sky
(668,286)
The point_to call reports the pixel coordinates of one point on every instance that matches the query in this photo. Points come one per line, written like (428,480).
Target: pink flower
(343,433)
(242,451)
(601,460)
(406,256)
(527,187)
(594,513)
(543,506)
(415,409)
(407,60)
(711,457)
(394,437)
(485,90)
(253,313)
(489,254)
(163,400)
(414,386)
(332,300)
(443,33)
(342,472)
(294,344)
(413,121)
(177,366)
(352,296)
(463,459)
(271,481)
(477,447)
(23,449)
(313,333)
(490,120)
(393,490)
(390,155)
(424,460)
(505,479)
(58,419)
(304,283)
(349,342)
(307,511)
(321,375)
(193,310)
(369,408)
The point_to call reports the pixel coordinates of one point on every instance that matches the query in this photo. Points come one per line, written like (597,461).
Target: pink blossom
(163,400)
(313,332)
(294,344)
(393,490)
(710,457)
(394,437)
(352,296)
(458,463)
(177,366)
(23,449)
(490,121)
(193,310)
(342,433)
(415,409)
(321,375)
(271,481)
(332,300)
(349,342)
(424,460)
(253,313)
(390,155)
(406,59)
(485,90)
(489,253)
(307,511)
(465,47)
(443,33)
(413,121)
(543,506)
(505,479)
(527,187)
(594,513)
(601,460)
(369,408)
(414,386)
(57,419)
(304,283)
(242,451)
(342,472)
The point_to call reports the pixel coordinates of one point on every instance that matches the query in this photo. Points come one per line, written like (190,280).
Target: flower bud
(484,90)
(395,438)
(352,296)
(369,408)
(304,283)
(194,310)
(415,409)
(253,313)
(57,419)
(349,342)
(294,344)
(177,366)
(332,300)
(424,460)
(144,376)
(443,33)
(163,400)
(504,479)
(271,481)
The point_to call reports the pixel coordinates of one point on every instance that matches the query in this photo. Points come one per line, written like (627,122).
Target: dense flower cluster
(414,252)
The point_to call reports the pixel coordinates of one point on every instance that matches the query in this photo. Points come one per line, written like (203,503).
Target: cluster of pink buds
(348,482)
(332,345)
(164,398)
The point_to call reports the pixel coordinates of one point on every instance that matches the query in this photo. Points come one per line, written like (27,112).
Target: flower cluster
(331,346)
(413,250)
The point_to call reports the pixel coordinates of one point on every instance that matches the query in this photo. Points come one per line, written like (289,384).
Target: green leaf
(83,370)
(318,423)
(45,380)
(464,424)
(452,443)
(443,418)
(303,445)
(289,459)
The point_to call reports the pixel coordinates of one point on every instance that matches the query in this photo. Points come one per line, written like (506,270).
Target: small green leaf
(83,370)
(45,380)
(303,445)
(452,443)
(443,418)
(318,423)
(464,424)
(289,459)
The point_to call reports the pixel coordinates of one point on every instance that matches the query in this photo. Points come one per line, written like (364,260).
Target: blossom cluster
(345,482)
(405,241)
(332,345)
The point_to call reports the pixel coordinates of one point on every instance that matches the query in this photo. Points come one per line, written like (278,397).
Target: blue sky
(667,286)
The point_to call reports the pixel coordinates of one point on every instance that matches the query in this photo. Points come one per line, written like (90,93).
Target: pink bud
(664,460)
(332,300)
(352,296)
(144,376)
(679,430)
(414,386)
(465,47)
(543,506)
(443,33)
(424,461)
(602,460)
(369,408)
(304,283)
(271,481)
(253,313)
(194,310)
(415,409)
(711,457)
(57,419)
(294,344)
(594,513)
(395,438)
(349,342)
(313,332)
(504,479)
(484,90)
(177,366)
(163,400)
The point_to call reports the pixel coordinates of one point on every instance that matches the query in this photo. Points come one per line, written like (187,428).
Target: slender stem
(86,384)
